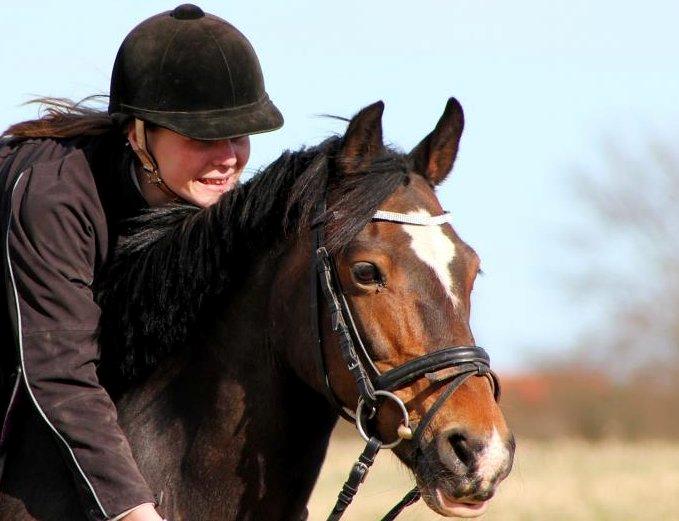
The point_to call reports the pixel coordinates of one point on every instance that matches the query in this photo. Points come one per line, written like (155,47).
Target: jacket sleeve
(54,240)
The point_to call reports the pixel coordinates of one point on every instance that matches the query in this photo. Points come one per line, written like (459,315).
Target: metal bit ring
(401,405)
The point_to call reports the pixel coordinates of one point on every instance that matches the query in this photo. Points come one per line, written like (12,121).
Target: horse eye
(366,273)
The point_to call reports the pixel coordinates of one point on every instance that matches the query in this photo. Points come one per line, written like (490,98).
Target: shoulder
(57,178)
(55,208)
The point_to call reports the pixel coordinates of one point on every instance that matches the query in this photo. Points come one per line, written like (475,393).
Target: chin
(201,197)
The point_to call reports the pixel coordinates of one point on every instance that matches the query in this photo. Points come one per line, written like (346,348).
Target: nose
(225,153)
(460,451)
(486,458)
(464,448)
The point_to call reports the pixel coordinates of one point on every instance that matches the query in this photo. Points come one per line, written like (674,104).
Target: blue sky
(543,85)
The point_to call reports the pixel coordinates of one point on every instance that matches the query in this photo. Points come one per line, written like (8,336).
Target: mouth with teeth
(217,184)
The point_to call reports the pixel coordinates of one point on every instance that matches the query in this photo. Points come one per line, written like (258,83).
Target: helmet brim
(212,125)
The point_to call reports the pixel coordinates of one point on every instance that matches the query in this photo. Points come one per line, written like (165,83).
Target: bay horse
(209,342)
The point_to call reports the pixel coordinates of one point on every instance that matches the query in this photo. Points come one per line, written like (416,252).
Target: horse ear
(362,140)
(434,156)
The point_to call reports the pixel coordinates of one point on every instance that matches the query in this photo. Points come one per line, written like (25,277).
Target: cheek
(177,161)
(183,168)
(242,151)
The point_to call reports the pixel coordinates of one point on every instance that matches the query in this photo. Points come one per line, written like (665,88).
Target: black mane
(177,258)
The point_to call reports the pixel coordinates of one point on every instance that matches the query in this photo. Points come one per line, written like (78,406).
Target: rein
(448,366)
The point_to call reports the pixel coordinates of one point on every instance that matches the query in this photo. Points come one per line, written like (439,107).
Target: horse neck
(232,414)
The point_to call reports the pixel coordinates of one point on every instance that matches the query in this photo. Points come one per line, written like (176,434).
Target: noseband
(447,367)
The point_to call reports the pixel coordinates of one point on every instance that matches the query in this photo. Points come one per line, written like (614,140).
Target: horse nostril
(462,448)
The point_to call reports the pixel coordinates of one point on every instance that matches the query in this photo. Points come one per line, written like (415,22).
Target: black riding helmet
(193,73)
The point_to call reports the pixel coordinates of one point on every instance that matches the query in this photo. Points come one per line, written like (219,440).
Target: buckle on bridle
(481,369)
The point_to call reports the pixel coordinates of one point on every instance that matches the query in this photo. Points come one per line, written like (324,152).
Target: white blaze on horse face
(435,249)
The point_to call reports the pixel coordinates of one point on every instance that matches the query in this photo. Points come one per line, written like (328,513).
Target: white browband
(407,218)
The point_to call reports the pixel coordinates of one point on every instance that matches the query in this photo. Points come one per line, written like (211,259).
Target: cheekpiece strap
(317,272)
(407,218)
(339,325)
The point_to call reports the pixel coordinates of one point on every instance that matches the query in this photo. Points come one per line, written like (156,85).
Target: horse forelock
(176,259)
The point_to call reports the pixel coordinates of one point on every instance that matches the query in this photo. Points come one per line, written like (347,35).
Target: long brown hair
(63,118)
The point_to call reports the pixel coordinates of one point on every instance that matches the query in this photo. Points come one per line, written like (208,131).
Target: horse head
(407,283)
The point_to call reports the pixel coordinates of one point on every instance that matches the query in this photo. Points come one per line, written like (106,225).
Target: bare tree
(628,240)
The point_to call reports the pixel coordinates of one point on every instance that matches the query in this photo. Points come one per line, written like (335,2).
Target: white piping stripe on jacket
(21,354)
(10,402)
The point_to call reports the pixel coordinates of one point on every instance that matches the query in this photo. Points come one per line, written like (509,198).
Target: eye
(366,273)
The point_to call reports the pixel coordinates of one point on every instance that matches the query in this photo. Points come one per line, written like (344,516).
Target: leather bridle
(447,367)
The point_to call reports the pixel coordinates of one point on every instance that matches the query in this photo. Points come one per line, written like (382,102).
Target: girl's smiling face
(197,171)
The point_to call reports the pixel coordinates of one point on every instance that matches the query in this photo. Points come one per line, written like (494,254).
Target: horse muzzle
(458,473)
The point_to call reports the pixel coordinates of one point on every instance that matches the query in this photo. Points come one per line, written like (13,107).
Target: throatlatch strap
(356,477)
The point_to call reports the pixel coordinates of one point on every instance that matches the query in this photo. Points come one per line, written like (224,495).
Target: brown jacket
(61,203)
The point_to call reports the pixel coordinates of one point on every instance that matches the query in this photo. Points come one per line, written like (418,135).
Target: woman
(186,92)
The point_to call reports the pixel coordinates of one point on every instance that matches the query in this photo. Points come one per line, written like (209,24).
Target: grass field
(554,481)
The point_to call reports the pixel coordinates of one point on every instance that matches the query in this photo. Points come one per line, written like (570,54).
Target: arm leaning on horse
(53,245)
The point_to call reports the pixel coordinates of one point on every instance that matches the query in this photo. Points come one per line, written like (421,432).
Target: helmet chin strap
(148,163)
